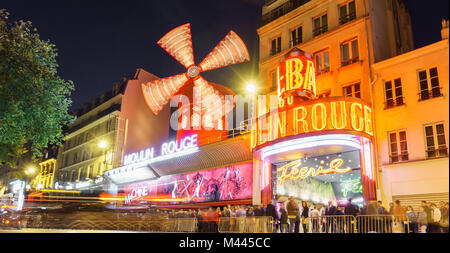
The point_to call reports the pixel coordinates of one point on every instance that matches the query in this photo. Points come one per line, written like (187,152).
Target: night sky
(99,42)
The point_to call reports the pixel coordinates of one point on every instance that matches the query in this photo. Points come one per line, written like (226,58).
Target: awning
(226,152)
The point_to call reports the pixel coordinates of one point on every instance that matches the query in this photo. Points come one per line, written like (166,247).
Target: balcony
(436,153)
(295,42)
(281,10)
(428,94)
(404,156)
(393,103)
(347,18)
(319,30)
(349,61)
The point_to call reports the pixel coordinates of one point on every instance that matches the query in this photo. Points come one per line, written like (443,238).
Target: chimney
(444,31)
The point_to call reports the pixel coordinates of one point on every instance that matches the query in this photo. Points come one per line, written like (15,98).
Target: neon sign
(296,76)
(315,116)
(136,193)
(351,185)
(293,171)
(168,149)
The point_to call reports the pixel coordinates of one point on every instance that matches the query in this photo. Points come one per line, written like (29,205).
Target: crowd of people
(291,216)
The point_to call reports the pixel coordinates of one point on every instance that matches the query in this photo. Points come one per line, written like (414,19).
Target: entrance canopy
(227,152)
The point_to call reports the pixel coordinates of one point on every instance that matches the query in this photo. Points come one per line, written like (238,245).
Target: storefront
(316,150)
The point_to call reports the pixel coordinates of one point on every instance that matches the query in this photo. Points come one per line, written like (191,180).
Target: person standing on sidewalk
(292,209)
(436,218)
(272,212)
(304,217)
(422,220)
(283,219)
(329,221)
(400,216)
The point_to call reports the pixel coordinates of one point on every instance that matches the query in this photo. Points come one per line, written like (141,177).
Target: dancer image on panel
(225,186)
(197,188)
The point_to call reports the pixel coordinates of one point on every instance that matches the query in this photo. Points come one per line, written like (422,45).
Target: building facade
(344,39)
(411,90)
(94,143)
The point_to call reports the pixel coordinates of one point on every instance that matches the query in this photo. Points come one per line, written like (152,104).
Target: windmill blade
(231,50)
(212,101)
(178,43)
(157,93)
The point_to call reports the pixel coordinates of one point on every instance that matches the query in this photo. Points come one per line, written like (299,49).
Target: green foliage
(34,100)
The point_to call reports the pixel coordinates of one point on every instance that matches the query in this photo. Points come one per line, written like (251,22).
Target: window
(429,84)
(398,148)
(349,52)
(320,25)
(352,91)
(276,46)
(296,36)
(322,60)
(347,12)
(435,141)
(393,93)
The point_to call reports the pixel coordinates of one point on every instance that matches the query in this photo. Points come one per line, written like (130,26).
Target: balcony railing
(394,102)
(295,42)
(403,156)
(438,152)
(319,30)
(433,93)
(320,71)
(347,18)
(274,51)
(281,10)
(350,61)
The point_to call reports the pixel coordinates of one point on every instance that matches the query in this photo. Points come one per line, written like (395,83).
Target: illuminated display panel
(220,184)
(338,113)
(336,187)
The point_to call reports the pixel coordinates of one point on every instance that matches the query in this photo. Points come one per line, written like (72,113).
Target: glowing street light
(103,144)
(250,88)
(30,170)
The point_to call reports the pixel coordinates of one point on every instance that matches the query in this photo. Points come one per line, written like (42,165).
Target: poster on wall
(220,184)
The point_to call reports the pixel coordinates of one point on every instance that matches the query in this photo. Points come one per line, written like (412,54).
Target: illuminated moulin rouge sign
(314,116)
(168,150)
(296,76)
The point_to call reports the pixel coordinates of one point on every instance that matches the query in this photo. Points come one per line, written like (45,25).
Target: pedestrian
(292,209)
(283,219)
(315,216)
(422,220)
(411,216)
(329,221)
(272,212)
(339,220)
(217,220)
(427,210)
(444,219)
(400,217)
(352,210)
(305,217)
(436,218)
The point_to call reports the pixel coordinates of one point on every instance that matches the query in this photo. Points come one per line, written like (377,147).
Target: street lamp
(250,88)
(103,144)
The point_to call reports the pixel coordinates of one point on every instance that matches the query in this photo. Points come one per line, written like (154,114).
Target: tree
(34,100)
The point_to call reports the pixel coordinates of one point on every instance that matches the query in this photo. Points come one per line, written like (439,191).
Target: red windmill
(178,43)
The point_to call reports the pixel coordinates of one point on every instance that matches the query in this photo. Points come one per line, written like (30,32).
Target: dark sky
(101,41)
